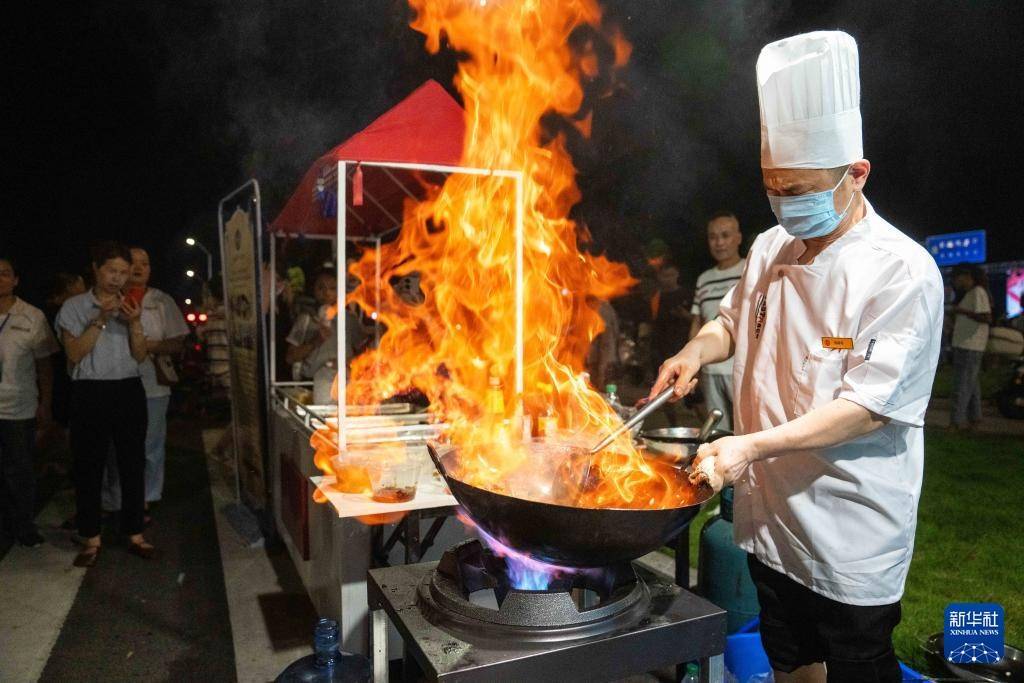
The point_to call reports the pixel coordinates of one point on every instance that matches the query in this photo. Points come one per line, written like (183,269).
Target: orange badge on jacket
(836,343)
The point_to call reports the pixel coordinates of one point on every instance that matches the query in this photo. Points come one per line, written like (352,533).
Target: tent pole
(519,290)
(273,310)
(342,278)
(376,319)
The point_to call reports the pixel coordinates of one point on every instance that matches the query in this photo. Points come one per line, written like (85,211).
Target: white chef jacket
(839,520)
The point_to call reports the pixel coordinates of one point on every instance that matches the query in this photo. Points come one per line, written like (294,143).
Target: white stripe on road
(37,588)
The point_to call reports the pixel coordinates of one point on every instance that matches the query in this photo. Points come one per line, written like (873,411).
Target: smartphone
(135,294)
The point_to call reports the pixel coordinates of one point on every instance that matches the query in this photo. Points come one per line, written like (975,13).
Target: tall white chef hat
(809,89)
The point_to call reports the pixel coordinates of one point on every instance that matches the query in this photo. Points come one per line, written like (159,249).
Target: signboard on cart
(239,242)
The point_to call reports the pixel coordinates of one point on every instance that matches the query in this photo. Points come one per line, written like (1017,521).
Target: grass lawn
(970,537)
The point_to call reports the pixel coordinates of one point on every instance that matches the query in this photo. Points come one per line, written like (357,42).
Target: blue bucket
(745,657)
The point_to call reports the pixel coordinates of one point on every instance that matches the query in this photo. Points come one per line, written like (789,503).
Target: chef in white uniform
(834,328)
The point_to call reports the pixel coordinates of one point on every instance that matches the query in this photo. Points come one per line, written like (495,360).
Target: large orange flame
(458,346)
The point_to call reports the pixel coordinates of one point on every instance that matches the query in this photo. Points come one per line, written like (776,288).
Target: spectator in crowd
(65,286)
(310,331)
(165,330)
(26,378)
(216,342)
(105,341)
(670,308)
(604,350)
(283,294)
(214,335)
(973,313)
(724,238)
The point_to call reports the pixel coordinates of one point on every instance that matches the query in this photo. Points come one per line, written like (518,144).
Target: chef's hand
(732,455)
(680,370)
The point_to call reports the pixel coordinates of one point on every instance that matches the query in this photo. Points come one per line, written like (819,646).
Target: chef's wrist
(760,445)
(691,353)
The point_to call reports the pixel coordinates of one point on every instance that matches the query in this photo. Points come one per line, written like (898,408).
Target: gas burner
(473,590)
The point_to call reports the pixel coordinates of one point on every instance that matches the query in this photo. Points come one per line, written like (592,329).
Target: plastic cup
(393,481)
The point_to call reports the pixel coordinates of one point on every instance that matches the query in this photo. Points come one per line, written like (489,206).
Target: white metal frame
(342,236)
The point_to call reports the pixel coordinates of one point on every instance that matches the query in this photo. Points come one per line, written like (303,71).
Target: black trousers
(105,412)
(800,627)
(17,479)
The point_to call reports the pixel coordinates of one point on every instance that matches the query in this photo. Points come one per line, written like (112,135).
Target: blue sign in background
(974,633)
(957,247)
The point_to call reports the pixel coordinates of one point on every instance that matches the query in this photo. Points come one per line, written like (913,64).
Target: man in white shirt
(26,380)
(724,238)
(165,329)
(970,337)
(835,331)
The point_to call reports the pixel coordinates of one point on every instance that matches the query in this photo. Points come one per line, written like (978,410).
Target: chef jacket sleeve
(892,365)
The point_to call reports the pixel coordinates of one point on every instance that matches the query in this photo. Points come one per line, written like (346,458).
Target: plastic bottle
(611,394)
(327,664)
(692,673)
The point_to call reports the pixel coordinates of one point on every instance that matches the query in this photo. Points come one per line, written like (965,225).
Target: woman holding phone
(165,329)
(102,333)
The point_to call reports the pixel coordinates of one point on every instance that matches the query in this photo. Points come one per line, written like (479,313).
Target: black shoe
(31,539)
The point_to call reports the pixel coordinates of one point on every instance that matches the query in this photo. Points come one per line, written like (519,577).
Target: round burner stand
(613,596)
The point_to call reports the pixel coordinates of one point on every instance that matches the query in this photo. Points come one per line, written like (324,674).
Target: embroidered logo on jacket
(760,312)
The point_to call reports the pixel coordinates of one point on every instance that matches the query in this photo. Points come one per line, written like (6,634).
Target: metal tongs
(652,405)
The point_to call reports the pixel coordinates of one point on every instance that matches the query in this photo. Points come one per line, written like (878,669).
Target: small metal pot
(677,443)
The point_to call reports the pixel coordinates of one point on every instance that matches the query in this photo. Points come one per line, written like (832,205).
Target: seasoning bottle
(547,425)
(495,403)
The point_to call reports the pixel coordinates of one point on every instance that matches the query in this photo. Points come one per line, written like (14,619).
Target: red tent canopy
(427,127)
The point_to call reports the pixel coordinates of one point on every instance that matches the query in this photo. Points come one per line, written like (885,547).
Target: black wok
(562,534)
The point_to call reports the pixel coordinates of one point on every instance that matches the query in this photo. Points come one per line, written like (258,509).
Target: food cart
(355,193)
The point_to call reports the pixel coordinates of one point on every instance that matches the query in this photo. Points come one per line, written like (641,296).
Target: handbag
(166,374)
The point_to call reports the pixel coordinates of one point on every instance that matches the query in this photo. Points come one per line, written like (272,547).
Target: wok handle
(713,418)
(437,460)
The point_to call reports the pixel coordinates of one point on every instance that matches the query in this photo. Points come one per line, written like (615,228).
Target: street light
(188,302)
(193,242)
(190,273)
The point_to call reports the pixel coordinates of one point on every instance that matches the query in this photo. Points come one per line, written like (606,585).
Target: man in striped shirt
(724,238)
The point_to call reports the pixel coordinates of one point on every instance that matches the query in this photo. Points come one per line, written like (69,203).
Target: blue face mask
(809,215)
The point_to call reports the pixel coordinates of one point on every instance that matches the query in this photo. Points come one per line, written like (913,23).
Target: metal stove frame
(680,627)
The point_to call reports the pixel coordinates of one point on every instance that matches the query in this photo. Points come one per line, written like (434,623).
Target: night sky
(129,120)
